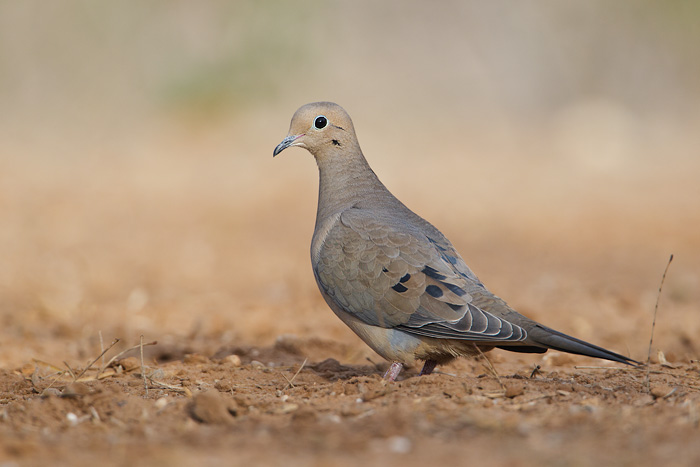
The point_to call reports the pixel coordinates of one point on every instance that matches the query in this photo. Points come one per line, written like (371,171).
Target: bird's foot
(393,371)
(428,367)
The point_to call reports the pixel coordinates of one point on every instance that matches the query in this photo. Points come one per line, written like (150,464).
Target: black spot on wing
(454,289)
(399,288)
(405,278)
(430,272)
(434,291)
(385,270)
(455,307)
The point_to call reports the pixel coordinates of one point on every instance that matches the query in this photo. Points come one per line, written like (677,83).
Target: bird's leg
(393,371)
(428,367)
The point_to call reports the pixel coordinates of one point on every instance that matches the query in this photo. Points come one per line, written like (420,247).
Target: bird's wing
(401,275)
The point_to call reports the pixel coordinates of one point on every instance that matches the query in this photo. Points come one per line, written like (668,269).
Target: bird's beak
(286,142)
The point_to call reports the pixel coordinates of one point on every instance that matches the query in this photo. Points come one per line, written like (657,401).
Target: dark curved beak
(286,142)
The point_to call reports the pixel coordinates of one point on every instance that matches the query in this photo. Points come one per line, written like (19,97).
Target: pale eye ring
(320,122)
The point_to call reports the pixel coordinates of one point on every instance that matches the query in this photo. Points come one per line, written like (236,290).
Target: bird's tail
(551,339)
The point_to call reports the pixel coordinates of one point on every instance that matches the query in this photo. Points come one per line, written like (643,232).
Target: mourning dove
(391,276)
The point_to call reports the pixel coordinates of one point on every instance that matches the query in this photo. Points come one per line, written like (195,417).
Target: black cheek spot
(434,291)
(399,288)
(405,278)
(336,142)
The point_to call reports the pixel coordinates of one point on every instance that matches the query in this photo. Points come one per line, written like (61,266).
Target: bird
(391,276)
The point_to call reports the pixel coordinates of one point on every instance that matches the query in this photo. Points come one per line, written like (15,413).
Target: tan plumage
(391,276)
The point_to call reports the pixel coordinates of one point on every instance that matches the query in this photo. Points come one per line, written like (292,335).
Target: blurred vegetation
(174,56)
(211,57)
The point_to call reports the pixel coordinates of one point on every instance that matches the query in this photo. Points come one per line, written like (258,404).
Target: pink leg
(393,371)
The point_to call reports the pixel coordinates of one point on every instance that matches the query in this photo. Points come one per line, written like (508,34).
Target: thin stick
(491,367)
(290,382)
(143,371)
(653,323)
(114,342)
(70,370)
(122,353)
(102,346)
(161,384)
(43,393)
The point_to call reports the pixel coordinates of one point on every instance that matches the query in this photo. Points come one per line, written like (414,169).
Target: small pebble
(129,363)
(399,444)
(514,390)
(72,418)
(662,391)
(50,392)
(233,360)
(76,389)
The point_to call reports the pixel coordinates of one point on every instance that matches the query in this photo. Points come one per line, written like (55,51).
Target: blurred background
(554,142)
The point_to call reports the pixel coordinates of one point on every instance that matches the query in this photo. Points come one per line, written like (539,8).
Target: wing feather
(394,276)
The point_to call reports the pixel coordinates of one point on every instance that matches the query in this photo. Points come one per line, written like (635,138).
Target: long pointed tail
(551,339)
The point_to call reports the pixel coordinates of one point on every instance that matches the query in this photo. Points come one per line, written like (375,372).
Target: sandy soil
(555,144)
(208,256)
(232,408)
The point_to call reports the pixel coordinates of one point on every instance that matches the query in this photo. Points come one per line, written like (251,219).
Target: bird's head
(320,128)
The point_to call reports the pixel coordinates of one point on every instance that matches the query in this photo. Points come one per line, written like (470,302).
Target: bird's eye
(320,122)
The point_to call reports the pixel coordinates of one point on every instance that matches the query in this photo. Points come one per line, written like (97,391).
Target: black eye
(320,122)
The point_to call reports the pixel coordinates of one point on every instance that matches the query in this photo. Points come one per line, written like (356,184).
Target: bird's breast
(323,228)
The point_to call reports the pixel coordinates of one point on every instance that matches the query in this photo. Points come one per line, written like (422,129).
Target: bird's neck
(345,180)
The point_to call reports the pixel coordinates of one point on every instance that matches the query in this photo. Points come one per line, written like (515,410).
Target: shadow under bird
(391,276)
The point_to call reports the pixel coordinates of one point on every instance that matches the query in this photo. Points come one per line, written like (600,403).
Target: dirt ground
(250,367)
(554,143)
(231,408)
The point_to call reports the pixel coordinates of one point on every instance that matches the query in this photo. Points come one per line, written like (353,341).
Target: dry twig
(491,367)
(290,382)
(111,360)
(653,323)
(114,342)
(102,346)
(143,371)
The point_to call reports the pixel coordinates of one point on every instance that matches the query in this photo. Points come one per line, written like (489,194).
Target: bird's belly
(392,344)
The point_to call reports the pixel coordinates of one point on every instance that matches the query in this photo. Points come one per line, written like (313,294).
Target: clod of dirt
(514,390)
(50,392)
(232,360)
(662,391)
(212,407)
(129,363)
(76,390)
